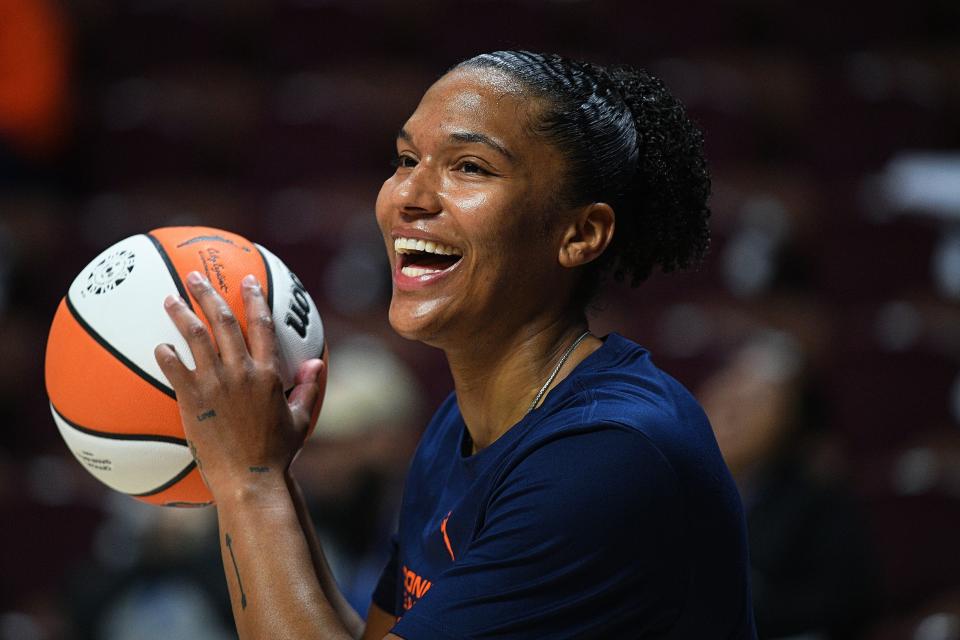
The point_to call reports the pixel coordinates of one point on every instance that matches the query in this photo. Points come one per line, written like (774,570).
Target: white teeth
(408,245)
(414,272)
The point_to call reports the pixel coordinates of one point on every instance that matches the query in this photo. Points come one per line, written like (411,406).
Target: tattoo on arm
(196,458)
(193,452)
(206,415)
(243,596)
(259,469)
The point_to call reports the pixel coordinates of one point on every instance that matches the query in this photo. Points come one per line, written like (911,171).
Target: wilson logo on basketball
(298,317)
(212,238)
(109,273)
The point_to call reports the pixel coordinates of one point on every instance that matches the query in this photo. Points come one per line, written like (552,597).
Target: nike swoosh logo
(446,538)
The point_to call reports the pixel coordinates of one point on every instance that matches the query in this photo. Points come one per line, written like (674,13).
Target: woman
(568,488)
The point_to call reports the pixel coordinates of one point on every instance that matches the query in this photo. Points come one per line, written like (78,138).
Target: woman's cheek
(474,203)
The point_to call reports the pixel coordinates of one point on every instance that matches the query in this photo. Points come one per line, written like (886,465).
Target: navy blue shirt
(607,512)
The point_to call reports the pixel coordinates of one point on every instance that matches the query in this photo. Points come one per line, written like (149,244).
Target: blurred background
(822,334)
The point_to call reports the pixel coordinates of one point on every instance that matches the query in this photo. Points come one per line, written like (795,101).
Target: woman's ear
(588,235)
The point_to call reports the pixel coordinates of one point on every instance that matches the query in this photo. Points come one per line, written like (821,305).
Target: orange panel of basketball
(85,377)
(223,257)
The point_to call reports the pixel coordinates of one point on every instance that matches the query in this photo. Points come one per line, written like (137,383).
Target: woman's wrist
(259,487)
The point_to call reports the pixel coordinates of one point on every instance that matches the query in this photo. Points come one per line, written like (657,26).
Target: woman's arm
(274,587)
(244,433)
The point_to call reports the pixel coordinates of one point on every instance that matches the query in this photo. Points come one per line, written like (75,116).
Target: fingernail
(250,280)
(194,277)
(171,301)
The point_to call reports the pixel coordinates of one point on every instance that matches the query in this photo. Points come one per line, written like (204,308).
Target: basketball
(110,401)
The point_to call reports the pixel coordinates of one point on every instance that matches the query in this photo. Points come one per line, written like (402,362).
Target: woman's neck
(496,379)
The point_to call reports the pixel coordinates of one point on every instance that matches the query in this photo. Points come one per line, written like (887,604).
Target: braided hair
(630,144)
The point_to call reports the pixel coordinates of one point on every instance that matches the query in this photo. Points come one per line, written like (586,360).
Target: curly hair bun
(668,225)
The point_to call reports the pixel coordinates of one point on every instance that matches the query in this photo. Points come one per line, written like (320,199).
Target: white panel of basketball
(130,466)
(131,275)
(299,330)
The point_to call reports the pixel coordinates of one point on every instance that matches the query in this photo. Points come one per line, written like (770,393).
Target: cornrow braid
(629,143)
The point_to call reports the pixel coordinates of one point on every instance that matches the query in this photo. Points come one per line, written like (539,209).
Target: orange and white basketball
(113,406)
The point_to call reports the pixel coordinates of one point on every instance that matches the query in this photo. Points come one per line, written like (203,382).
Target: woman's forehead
(483,97)
(490,81)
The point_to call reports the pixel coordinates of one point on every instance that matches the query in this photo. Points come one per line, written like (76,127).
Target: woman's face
(470,217)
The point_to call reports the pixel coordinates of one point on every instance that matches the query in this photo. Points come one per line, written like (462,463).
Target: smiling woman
(567,487)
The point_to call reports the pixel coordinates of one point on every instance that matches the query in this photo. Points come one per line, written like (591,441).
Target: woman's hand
(237,422)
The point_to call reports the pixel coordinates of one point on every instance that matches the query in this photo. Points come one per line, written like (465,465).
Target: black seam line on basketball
(266,266)
(169,483)
(116,354)
(185,503)
(142,437)
(173,271)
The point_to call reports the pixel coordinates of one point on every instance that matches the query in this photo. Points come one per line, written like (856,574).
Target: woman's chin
(415,320)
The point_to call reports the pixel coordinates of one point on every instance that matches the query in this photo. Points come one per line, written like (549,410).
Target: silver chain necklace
(556,370)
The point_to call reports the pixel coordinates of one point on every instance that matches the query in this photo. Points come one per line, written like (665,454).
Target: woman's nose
(419,193)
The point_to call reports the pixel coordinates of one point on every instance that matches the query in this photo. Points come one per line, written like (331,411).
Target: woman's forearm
(348,616)
(275,591)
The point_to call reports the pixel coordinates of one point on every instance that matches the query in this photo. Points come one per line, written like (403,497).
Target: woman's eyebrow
(466,137)
(470,136)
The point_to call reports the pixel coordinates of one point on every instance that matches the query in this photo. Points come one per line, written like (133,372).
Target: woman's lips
(422,262)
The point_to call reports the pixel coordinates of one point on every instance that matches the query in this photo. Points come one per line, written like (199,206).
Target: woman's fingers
(260,325)
(193,331)
(223,322)
(306,393)
(172,367)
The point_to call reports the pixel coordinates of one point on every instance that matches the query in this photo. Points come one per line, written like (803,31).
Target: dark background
(833,133)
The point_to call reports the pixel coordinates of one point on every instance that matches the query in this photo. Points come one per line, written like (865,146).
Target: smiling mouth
(424,257)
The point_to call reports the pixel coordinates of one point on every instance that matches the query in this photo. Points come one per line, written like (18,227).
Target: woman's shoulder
(620,384)
(624,370)
(625,392)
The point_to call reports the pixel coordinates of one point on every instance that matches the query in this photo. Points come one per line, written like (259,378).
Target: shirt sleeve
(581,537)
(385,593)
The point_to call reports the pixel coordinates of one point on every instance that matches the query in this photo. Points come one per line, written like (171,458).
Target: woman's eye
(403,161)
(472,167)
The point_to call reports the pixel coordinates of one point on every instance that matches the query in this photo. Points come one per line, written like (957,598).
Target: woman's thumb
(305,397)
